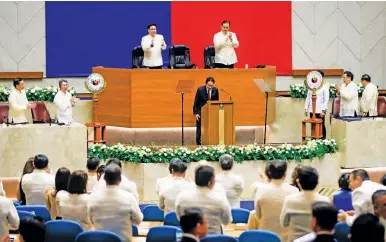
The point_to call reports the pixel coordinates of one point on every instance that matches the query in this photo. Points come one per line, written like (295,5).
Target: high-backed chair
(62,230)
(240,215)
(162,233)
(335,108)
(259,235)
(153,213)
(39,210)
(209,54)
(179,57)
(381,107)
(137,57)
(40,114)
(4,109)
(171,219)
(98,236)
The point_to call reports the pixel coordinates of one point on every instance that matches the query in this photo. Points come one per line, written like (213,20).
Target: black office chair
(179,57)
(209,54)
(137,57)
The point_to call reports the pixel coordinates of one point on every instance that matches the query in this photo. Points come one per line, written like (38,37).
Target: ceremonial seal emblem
(95,83)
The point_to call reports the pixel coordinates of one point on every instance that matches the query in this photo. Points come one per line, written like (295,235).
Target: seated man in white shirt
(152,45)
(165,180)
(232,183)
(194,224)
(369,100)
(225,43)
(92,167)
(125,183)
(112,208)
(64,102)
(18,103)
(174,187)
(214,205)
(34,184)
(348,93)
(296,211)
(9,219)
(322,97)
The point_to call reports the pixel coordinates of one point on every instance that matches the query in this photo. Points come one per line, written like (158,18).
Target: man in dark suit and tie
(204,93)
(194,225)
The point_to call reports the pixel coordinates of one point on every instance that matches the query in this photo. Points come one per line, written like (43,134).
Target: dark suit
(187,239)
(324,238)
(199,101)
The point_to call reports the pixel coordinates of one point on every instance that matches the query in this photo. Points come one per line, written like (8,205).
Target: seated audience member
(92,167)
(366,228)
(61,182)
(35,183)
(72,204)
(166,179)
(125,183)
(9,219)
(214,205)
(194,225)
(294,176)
(217,186)
(100,171)
(28,168)
(383,180)
(363,190)
(296,211)
(379,203)
(174,187)
(269,202)
(324,218)
(258,187)
(32,229)
(112,208)
(232,183)
(342,198)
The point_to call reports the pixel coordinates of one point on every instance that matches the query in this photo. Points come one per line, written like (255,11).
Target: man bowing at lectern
(204,93)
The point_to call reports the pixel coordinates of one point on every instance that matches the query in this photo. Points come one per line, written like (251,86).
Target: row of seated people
(279,207)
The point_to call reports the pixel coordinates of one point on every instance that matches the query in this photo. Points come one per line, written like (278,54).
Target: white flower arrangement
(309,150)
(300,90)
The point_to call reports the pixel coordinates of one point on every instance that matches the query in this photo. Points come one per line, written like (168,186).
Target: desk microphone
(230,97)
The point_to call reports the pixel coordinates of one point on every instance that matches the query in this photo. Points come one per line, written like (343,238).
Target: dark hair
(78,182)
(114,161)
(101,171)
(150,25)
(204,175)
(180,167)
(61,82)
(209,79)
(225,21)
(173,163)
(295,175)
(32,229)
(321,72)
(112,174)
(61,179)
(376,195)
(367,227)
(190,219)
(361,173)
(326,215)
(349,74)
(366,77)
(344,182)
(17,81)
(266,171)
(40,161)
(226,162)
(28,168)
(93,163)
(277,169)
(308,178)
(383,180)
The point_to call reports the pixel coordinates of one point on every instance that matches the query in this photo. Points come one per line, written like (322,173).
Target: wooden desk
(143,98)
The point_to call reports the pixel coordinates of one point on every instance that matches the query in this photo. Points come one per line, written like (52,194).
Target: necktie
(209,95)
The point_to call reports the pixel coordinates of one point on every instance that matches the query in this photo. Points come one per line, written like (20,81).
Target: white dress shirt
(91,181)
(63,107)
(170,191)
(153,55)
(9,219)
(34,185)
(125,184)
(225,49)
(114,209)
(18,106)
(214,205)
(361,199)
(233,185)
(73,207)
(369,100)
(2,192)
(348,99)
(161,181)
(296,212)
(322,96)
(268,205)
(257,188)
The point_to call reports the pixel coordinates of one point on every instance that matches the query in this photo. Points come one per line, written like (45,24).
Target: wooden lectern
(218,123)
(316,123)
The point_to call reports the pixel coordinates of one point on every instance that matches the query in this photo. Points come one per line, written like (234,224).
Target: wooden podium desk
(143,98)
